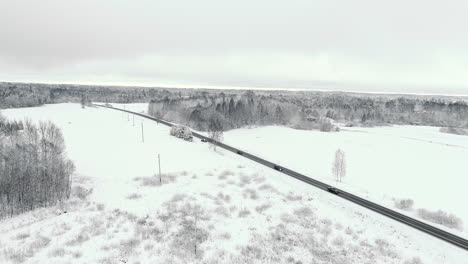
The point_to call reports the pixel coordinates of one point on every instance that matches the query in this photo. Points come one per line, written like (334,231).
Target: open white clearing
(212,207)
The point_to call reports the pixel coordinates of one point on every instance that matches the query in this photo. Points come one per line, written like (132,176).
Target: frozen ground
(383,164)
(233,210)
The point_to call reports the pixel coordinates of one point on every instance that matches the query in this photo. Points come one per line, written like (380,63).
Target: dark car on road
(278,168)
(203,140)
(333,190)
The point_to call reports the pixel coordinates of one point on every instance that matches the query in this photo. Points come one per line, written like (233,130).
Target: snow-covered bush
(441,217)
(454,130)
(181,132)
(404,204)
(326,125)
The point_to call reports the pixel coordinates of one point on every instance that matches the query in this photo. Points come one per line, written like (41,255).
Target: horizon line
(225,87)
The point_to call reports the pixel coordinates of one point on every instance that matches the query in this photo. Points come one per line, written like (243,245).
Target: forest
(14,95)
(237,108)
(308,110)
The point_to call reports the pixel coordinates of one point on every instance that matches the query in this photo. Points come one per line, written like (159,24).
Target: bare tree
(215,130)
(83,101)
(339,165)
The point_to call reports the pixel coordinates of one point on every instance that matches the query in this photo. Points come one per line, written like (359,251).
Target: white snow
(383,163)
(110,226)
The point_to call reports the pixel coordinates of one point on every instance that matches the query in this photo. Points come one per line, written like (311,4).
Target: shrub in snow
(454,130)
(326,125)
(404,204)
(441,217)
(414,260)
(182,132)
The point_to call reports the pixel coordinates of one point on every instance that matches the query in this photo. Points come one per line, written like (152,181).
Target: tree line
(211,112)
(14,95)
(308,110)
(34,169)
(234,109)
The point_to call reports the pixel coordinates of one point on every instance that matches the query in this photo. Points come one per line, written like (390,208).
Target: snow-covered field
(383,164)
(216,207)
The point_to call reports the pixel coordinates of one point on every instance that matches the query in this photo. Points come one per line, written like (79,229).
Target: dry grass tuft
(244,213)
(155,180)
(77,254)
(58,252)
(78,240)
(100,207)
(133,196)
(293,197)
(262,208)
(250,193)
(21,236)
(338,241)
(224,197)
(268,187)
(225,174)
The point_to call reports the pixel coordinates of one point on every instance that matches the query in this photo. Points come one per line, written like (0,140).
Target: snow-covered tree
(339,165)
(182,132)
(215,130)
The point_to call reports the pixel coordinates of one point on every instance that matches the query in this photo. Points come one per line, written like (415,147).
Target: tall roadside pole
(159,165)
(142,133)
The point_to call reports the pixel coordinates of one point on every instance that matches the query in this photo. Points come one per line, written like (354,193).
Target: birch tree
(339,165)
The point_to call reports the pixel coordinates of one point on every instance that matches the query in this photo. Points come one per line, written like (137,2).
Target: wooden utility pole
(159,164)
(142,133)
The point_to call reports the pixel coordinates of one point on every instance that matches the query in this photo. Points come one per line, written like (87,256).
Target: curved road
(441,234)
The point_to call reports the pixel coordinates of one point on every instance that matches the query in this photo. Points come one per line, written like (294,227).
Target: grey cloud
(209,41)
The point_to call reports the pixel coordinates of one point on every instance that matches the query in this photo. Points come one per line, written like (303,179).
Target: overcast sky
(382,46)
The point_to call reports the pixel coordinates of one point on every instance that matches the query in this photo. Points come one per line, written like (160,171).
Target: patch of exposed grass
(244,213)
(156,180)
(293,197)
(77,254)
(338,241)
(15,255)
(78,240)
(225,174)
(268,187)
(133,196)
(250,193)
(224,197)
(40,242)
(414,260)
(221,210)
(100,207)
(262,208)
(57,252)
(23,235)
